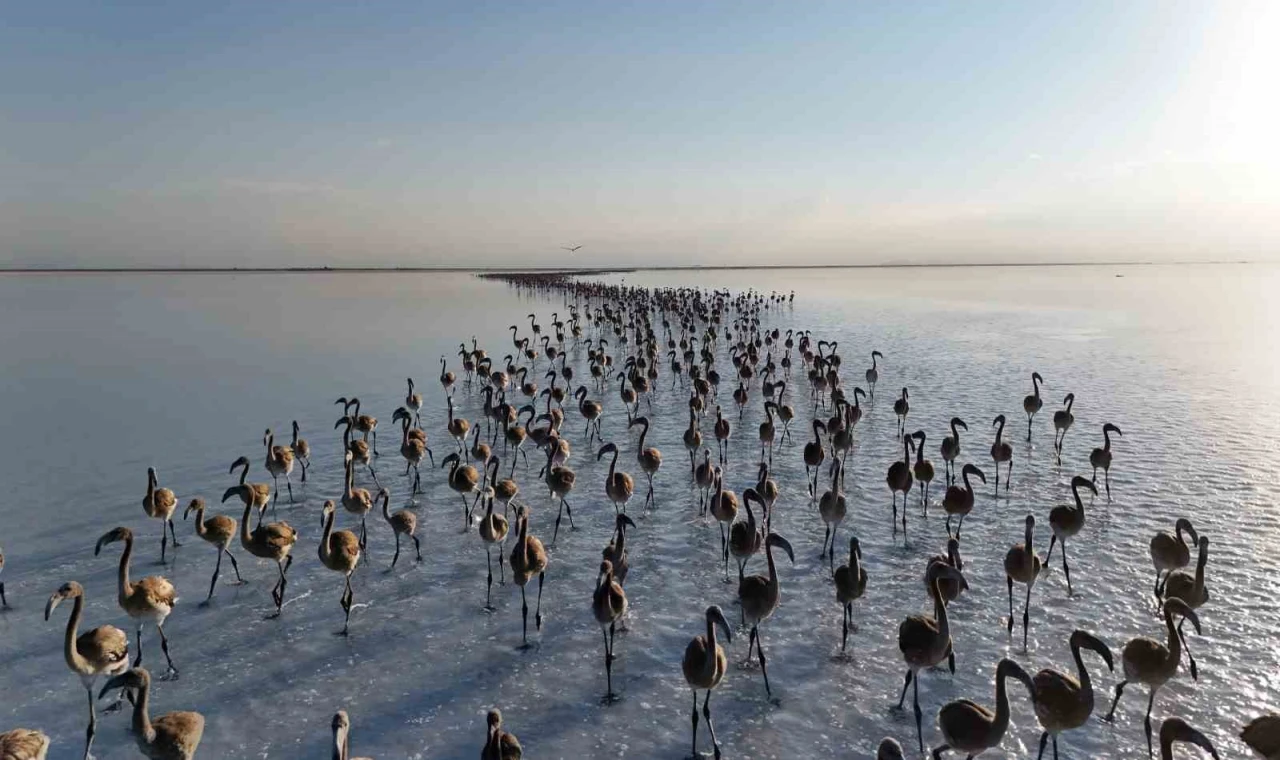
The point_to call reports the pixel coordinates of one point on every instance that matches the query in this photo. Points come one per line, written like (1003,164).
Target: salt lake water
(106,375)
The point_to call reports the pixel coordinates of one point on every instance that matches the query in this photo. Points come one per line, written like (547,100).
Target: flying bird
(573,249)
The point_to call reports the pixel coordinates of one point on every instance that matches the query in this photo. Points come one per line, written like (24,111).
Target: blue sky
(661,132)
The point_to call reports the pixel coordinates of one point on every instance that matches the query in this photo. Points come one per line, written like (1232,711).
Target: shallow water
(108,374)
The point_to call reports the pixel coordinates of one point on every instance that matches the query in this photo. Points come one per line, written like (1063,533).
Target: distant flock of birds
(691,323)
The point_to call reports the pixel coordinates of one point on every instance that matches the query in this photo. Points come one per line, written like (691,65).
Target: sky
(652,133)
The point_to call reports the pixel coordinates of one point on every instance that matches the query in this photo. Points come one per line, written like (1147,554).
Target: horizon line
(592,269)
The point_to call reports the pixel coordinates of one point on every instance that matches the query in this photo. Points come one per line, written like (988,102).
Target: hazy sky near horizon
(384,133)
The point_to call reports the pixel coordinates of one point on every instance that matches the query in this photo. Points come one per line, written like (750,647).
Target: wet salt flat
(105,375)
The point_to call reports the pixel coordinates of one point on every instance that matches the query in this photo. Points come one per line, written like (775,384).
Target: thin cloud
(280,187)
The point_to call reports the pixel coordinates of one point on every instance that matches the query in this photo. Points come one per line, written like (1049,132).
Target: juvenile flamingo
(149,600)
(899,479)
(1152,663)
(219,531)
(493,530)
(103,650)
(340,552)
(1066,521)
(1174,730)
(500,745)
(1102,457)
(1022,564)
(926,641)
(972,728)
(528,558)
(608,605)
(1064,702)
(704,664)
(160,503)
(1001,451)
(759,596)
(1062,421)
(172,736)
(1170,552)
(923,470)
(851,583)
(950,448)
(1033,403)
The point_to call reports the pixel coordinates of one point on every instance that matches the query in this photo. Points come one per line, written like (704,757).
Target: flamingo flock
(706,342)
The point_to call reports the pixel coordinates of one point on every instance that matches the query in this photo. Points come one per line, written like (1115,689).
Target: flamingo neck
(773,568)
(1086,683)
(125,557)
(1001,722)
(73,657)
(326,551)
(201,529)
(1175,641)
(940,611)
(340,744)
(141,717)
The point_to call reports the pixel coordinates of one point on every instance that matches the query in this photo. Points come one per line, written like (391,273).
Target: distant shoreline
(593,270)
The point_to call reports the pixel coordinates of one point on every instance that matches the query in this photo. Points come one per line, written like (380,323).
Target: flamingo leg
(694,721)
(93,726)
(537,618)
(764,670)
(1119,690)
(348,596)
(138,660)
(706,714)
(524,612)
(915,698)
(1066,570)
(235,565)
(1008,579)
(488,559)
(1146,725)
(608,662)
(1194,675)
(214,582)
(1026,615)
(172,671)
